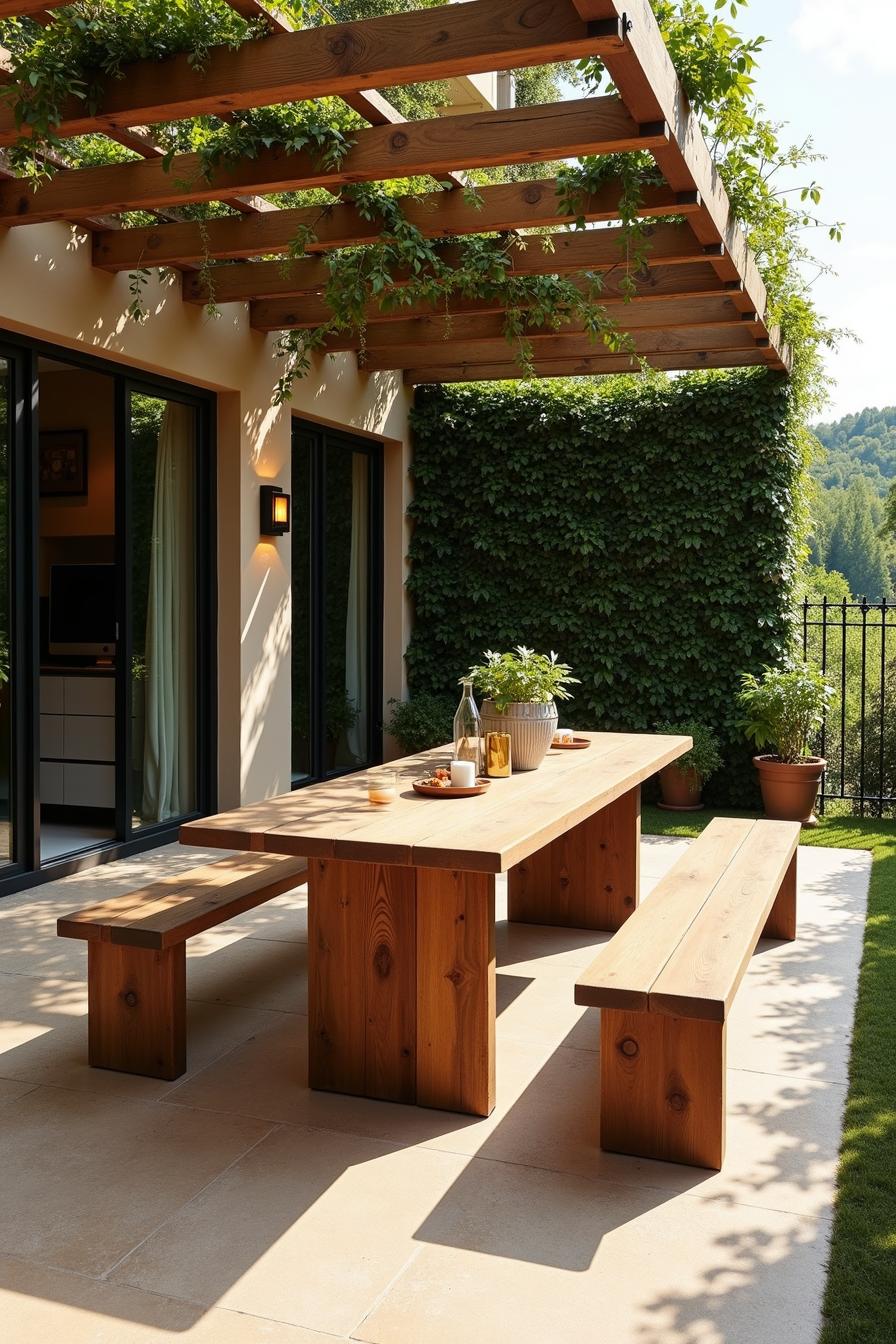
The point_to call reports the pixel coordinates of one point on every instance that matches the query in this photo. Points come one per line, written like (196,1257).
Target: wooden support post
(586,879)
(781,922)
(456,990)
(137,1009)
(662,1087)
(362,979)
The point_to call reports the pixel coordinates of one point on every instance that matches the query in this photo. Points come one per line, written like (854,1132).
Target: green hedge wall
(643,528)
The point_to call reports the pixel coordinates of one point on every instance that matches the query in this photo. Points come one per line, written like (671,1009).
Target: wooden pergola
(698,299)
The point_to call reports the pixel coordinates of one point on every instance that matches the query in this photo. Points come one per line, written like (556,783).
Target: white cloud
(848,37)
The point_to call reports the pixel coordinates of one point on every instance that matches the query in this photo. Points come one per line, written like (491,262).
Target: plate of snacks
(438,785)
(565,741)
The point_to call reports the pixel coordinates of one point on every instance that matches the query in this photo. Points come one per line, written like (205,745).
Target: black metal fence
(852,643)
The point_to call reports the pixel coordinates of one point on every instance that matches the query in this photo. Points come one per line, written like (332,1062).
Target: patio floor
(234,1205)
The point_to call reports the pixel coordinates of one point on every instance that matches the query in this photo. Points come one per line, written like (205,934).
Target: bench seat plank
(175,908)
(703,972)
(624,971)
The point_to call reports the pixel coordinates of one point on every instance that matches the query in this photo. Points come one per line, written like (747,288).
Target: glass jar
(467,728)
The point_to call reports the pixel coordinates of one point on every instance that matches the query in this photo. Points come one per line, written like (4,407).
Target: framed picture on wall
(62,462)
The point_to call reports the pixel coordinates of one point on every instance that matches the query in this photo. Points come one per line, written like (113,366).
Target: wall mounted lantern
(274,511)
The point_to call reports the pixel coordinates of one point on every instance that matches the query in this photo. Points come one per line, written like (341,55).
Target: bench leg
(585,879)
(137,1009)
(662,1087)
(781,922)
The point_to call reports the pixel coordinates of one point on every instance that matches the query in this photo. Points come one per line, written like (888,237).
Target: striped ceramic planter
(531,728)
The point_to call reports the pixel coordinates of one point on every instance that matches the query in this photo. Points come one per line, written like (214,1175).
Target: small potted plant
(782,709)
(682,782)
(520,691)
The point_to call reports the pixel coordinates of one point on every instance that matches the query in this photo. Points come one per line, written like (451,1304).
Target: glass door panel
(347,607)
(7,409)
(302,765)
(163,583)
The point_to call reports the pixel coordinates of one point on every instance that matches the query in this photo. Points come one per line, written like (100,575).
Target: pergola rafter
(699,301)
(596,250)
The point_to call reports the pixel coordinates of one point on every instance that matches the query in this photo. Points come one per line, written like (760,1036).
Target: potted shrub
(782,709)
(682,782)
(520,691)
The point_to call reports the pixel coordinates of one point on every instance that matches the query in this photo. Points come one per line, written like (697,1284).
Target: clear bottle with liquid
(468,728)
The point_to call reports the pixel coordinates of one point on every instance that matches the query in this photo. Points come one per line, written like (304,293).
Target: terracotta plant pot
(789,791)
(531,728)
(681,789)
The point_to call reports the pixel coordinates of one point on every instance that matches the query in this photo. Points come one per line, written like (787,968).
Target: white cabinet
(77,739)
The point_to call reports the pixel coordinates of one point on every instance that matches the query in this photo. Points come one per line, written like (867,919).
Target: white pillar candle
(463,774)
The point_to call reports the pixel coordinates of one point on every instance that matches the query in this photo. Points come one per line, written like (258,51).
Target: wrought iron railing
(852,644)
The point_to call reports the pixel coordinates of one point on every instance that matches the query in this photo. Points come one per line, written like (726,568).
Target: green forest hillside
(852,535)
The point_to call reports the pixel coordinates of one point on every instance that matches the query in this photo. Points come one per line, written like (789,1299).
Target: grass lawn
(860,1301)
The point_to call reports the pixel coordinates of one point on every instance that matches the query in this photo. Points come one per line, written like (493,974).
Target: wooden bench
(136,956)
(666,981)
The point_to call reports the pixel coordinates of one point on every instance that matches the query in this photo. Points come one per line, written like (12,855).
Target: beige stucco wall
(50,290)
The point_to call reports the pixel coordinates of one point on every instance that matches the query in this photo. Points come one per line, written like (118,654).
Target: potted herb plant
(520,691)
(682,782)
(782,708)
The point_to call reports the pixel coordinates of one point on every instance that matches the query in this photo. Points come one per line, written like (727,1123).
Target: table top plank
(488,833)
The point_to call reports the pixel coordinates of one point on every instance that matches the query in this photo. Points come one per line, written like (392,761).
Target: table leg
(362,979)
(587,878)
(401,984)
(456,990)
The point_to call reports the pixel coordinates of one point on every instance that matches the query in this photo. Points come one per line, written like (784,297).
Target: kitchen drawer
(89,695)
(51,782)
(52,737)
(88,737)
(51,695)
(89,785)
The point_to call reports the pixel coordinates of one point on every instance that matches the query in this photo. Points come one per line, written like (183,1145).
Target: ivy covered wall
(646,529)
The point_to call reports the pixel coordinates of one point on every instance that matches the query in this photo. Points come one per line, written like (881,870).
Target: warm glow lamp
(274,511)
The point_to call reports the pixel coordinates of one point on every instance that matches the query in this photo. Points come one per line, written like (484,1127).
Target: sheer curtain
(170,731)
(356,633)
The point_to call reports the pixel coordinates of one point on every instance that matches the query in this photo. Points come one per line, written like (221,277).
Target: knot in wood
(533,16)
(382,961)
(628,1047)
(338,46)
(130,998)
(456,977)
(441,36)
(399,140)
(629,901)
(532,195)
(678,1101)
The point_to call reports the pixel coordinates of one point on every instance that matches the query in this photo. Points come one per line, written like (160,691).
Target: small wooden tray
(433,790)
(577,744)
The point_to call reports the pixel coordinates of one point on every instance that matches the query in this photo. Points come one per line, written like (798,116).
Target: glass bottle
(468,728)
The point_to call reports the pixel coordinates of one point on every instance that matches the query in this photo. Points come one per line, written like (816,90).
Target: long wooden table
(401,904)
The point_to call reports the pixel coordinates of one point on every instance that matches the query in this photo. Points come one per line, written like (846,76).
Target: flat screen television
(82,609)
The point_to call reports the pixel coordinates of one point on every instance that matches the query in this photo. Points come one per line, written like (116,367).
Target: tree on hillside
(847,539)
(858,445)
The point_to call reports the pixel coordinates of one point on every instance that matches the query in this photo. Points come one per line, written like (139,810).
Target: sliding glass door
(336,601)
(7,771)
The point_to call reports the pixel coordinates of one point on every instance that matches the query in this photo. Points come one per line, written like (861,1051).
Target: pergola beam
(586,364)
(480,139)
(17,9)
(664,283)
(506,206)
(595,250)
(444,333)
(407,48)
(570,344)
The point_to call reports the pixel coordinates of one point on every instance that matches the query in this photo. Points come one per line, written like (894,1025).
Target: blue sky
(829,71)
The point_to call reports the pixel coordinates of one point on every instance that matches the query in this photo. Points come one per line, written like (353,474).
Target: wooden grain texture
(596,250)
(340,58)
(439,214)
(175,908)
(137,1010)
(662,1087)
(702,974)
(585,365)
(658,285)
(362,990)
(781,922)
(588,877)
(625,969)
(10,9)
(456,991)
(479,139)
(554,345)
